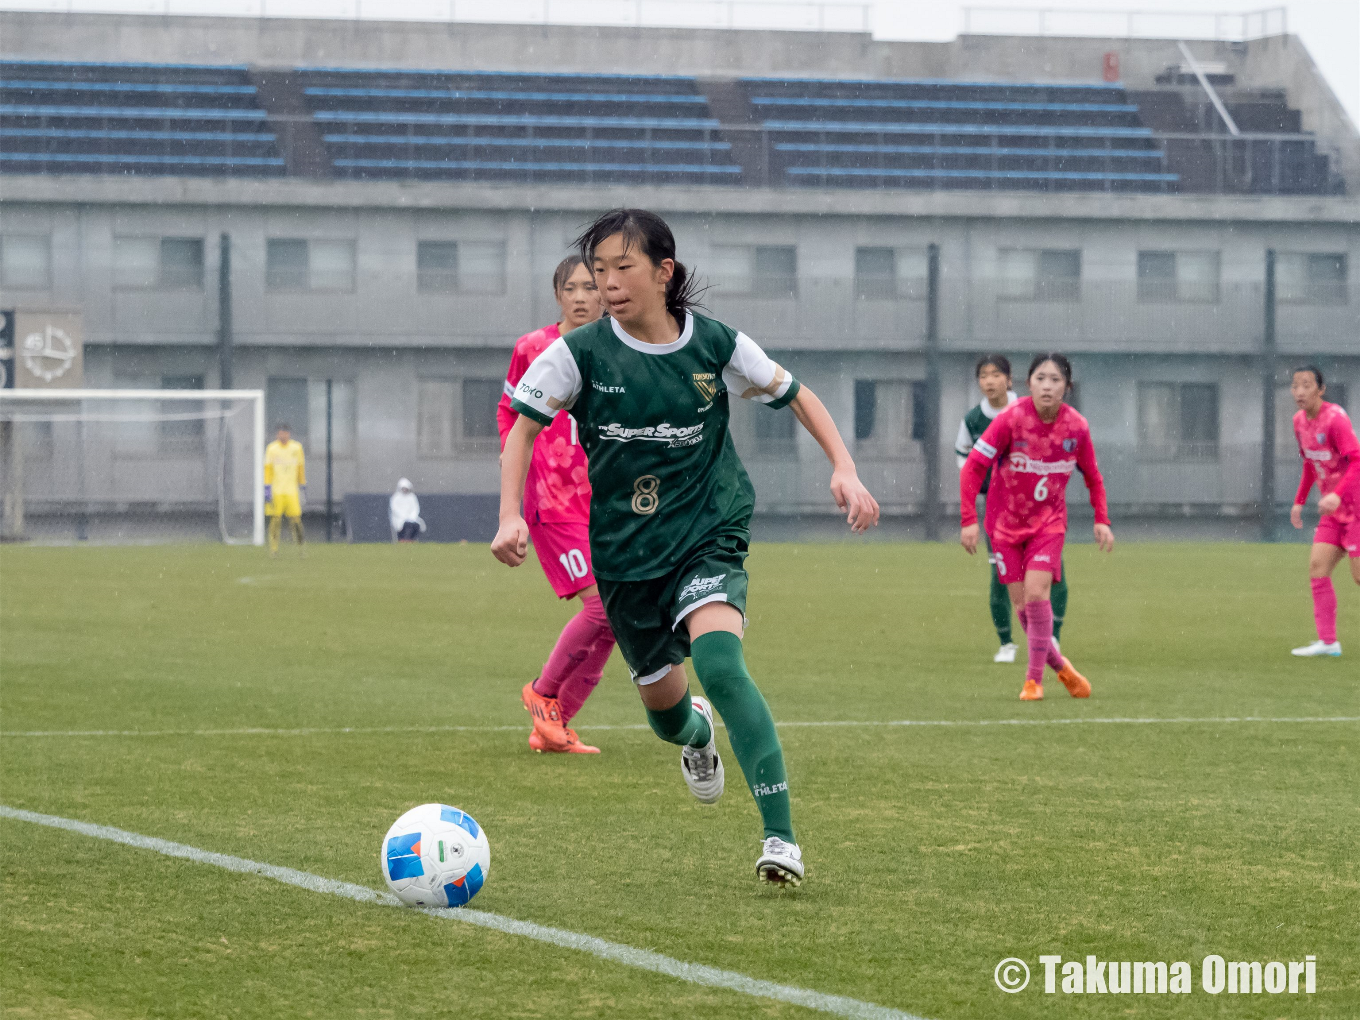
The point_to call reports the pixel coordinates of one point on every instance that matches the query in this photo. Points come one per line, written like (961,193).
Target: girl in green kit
(671,504)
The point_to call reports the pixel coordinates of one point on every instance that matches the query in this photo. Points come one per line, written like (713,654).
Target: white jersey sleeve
(752,374)
(963,443)
(551,383)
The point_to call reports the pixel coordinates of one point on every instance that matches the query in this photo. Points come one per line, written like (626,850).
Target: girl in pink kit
(557,510)
(1036,444)
(1331,457)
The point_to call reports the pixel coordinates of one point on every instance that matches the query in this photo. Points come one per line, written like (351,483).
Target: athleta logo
(606,389)
(706,384)
(700,586)
(663,433)
(1023,462)
(762,790)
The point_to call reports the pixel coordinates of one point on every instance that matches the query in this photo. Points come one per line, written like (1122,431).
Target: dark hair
(282,427)
(1317,373)
(564,270)
(1064,366)
(654,239)
(998,361)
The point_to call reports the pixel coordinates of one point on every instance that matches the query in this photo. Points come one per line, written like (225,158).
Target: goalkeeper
(285,484)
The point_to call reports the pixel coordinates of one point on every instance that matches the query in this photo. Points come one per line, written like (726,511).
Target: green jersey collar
(646,348)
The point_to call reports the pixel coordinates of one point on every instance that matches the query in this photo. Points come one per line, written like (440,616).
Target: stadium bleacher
(86,117)
(946,134)
(517,127)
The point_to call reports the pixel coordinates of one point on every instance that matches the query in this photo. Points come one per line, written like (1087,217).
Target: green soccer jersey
(975,423)
(653,420)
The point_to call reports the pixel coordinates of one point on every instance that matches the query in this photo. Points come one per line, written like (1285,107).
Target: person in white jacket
(403,512)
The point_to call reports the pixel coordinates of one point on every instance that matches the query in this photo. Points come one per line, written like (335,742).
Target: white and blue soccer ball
(435,856)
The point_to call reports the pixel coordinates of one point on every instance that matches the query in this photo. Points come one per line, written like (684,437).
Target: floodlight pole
(1268,405)
(932,436)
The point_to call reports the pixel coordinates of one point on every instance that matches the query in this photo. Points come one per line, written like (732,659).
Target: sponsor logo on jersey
(1069,445)
(675,435)
(1323,455)
(606,389)
(707,384)
(1043,558)
(1026,464)
(1021,444)
(700,586)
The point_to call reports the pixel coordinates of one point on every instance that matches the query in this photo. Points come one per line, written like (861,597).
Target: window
(1336,393)
(888,415)
(25,262)
(1027,275)
(1178,421)
(469,267)
(286,401)
(1311,279)
(434,418)
(882,273)
(342,417)
(480,397)
(1178,276)
(165,262)
(763,271)
(920,410)
(181,435)
(775,432)
(292,264)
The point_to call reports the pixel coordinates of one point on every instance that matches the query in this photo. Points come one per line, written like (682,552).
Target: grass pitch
(933,851)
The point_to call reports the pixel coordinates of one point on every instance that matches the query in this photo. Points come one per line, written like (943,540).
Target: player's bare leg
(1322,562)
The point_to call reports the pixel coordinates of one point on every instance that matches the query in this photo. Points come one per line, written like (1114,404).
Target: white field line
(629,956)
(307,731)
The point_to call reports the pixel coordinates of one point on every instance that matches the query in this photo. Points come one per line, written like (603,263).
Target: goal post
(130,460)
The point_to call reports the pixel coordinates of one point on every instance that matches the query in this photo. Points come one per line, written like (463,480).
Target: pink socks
(1037,618)
(577,661)
(1324,609)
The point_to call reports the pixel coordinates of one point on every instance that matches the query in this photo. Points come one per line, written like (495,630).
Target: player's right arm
(551,383)
(991,444)
(963,444)
(1301,497)
(505,413)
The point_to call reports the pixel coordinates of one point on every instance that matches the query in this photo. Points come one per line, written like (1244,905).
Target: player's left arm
(753,375)
(302,473)
(1095,485)
(860,508)
(1348,488)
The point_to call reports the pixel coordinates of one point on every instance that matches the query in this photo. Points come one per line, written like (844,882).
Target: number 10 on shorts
(574,564)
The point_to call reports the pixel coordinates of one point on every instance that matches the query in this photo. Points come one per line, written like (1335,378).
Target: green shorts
(646,615)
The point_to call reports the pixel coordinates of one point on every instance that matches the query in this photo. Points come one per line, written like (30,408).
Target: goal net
(132,465)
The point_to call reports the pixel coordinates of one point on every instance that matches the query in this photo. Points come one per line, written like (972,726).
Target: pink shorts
(1331,531)
(564,552)
(1042,552)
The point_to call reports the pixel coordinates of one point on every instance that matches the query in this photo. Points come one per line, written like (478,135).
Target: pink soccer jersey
(1034,460)
(1331,457)
(557,490)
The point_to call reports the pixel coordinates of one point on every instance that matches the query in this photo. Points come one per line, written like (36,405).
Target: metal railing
(787,15)
(1131,24)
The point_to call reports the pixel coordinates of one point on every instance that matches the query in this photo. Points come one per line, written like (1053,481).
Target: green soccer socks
(1058,596)
(721,668)
(681,724)
(1000,601)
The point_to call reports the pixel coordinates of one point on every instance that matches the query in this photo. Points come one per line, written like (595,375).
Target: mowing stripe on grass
(308,731)
(629,956)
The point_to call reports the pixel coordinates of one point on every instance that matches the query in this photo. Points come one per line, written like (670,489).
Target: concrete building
(1159,298)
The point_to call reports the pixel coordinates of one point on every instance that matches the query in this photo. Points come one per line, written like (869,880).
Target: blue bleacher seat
(508,126)
(99,117)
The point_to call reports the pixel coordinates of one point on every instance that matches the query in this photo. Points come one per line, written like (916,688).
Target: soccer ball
(435,856)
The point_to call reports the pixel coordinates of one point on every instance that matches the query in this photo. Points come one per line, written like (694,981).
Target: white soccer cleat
(1006,653)
(1318,648)
(780,862)
(701,766)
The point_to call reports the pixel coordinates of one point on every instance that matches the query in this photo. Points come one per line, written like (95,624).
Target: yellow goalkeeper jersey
(285,467)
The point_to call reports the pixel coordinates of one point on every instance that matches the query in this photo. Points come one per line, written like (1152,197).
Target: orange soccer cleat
(1077,685)
(1034,691)
(547,717)
(574,745)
